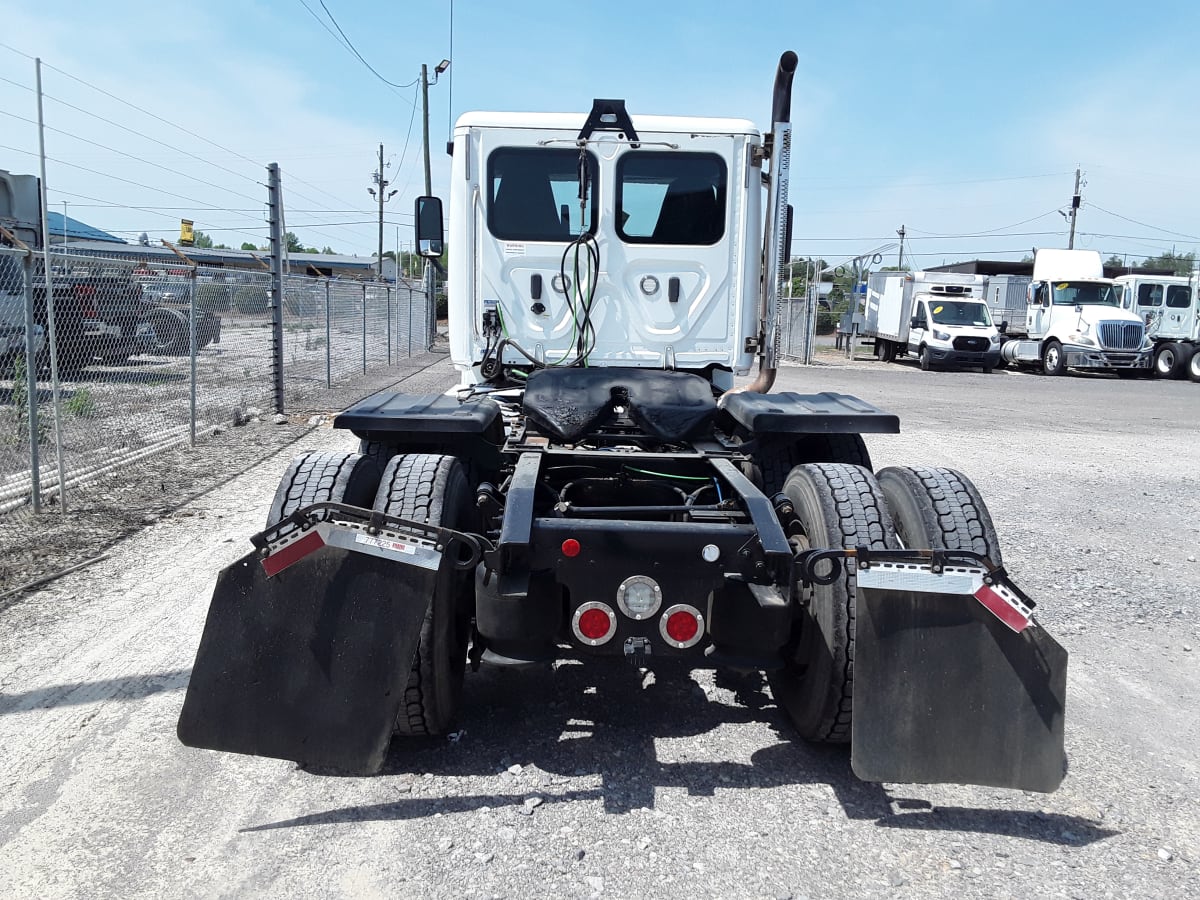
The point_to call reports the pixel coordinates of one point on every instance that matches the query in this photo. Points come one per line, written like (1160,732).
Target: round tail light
(594,623)
(682,626)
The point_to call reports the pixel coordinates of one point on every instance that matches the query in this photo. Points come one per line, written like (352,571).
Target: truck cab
(949,327)
(628,251)
(1074,319)
(1168,306)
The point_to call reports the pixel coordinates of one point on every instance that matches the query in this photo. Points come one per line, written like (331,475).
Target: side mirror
(430,239)
(1003,329)
(914,322)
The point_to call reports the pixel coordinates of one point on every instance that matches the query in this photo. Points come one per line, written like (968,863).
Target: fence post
(364,330)
(275,220)
(192,351)
(328,338)
(410,320)
(389,325)
(31,388)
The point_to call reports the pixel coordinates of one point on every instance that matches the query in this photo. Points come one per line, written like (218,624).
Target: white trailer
(940,317)
(1075,320)
(1168,305)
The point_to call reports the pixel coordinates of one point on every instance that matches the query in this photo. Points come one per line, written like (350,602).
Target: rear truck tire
(836,505)
(926,359)
(938,509)
(1194,366)
(776,458)
(432,488)
(1054,362)
(889,352)
(171,333)
(324,478)
(378,452)
(1170,361)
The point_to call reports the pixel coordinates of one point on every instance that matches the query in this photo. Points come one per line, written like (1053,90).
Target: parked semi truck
(599,486)
(101,312)
(1168,305)
(1074,320)
(939,317)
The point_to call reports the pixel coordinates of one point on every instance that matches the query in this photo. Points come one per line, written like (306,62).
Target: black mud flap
(309,664)
(944,691)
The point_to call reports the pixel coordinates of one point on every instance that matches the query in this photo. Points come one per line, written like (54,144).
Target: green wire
(665,475)
(500,316)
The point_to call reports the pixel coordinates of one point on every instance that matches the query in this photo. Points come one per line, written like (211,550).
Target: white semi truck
(1168,305)
(601,488)
(1075,320)
(939,317)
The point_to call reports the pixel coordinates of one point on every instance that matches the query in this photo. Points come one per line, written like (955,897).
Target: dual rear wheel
(840,505)
(422,487)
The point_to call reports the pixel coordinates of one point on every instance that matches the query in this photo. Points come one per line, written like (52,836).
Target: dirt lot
(587,781)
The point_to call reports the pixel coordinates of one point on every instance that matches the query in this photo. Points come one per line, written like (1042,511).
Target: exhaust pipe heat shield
(311,663)
(946,692)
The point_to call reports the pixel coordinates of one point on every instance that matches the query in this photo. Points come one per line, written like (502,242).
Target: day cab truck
(1074,320)
(600,486)
(938,317)
(1168,305)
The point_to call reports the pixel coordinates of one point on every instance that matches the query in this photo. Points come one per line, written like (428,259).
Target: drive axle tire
(779,455)
(926,359)
(1054,362)
(938,509)
(172,334)
(1194,366)
(432,488)
(836,506)
(1171,361)
(324,478)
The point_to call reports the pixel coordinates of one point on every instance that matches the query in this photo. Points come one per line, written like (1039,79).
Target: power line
(129,156)
(988,232)
(347,44)
(1190,237)
(134,131)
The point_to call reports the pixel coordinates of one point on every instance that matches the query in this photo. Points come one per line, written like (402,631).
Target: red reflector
(682,627)
(594,624)
(570,547)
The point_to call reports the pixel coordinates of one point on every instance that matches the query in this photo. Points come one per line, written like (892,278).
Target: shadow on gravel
(134,687)
(1050,828)
(584,721)
(603,720)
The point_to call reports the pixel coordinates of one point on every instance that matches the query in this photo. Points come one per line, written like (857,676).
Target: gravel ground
(592,781)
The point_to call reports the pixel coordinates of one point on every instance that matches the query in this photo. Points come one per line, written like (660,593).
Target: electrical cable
(350,46)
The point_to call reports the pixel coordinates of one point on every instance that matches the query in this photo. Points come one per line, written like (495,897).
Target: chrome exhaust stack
(776,252)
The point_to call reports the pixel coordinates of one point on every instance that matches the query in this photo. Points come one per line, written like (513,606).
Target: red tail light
(594,623)
(85,296)
(681,626)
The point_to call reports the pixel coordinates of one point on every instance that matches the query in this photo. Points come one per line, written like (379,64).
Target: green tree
(1115,261)
(246,245)
(293,243)
(1176,263)
(202,240)
(328,251)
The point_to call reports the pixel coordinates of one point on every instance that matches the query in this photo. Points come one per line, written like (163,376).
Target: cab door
(918,326)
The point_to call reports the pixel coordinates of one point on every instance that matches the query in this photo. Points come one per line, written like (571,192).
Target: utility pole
(383,196)
(1074,212)
(430,284)
(900,257)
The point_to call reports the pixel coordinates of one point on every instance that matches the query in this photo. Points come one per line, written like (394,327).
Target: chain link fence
(124,359)
(797,329)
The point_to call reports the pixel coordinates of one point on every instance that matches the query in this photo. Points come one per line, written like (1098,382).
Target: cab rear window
(533,194)
(671,198)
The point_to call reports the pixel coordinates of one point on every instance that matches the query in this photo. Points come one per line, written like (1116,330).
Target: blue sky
(951,119)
